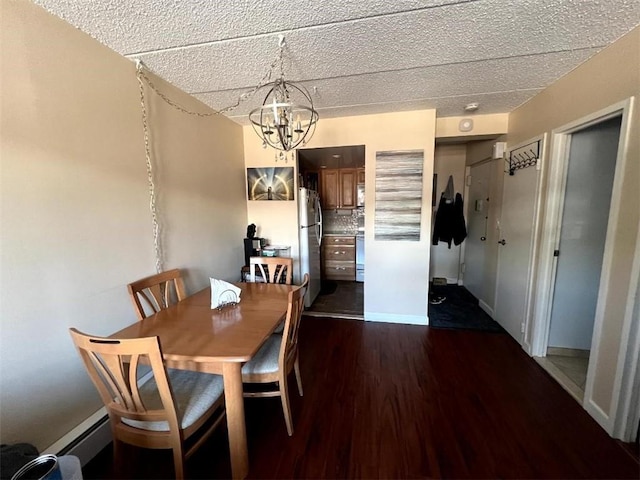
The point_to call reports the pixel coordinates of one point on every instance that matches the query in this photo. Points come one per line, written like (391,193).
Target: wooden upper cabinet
(329,188)
(361,176)
(338,189)
(348,178)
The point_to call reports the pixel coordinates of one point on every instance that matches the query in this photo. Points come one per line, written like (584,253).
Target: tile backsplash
(343,221)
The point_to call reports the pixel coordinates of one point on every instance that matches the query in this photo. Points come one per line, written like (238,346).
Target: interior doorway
(480,235)
(338,175)
(588,187)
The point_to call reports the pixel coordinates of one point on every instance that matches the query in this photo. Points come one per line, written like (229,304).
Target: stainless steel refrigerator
(310,221)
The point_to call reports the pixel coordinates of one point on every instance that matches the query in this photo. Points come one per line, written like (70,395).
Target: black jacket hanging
(449,225)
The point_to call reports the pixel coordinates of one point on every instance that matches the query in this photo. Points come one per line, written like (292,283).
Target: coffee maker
(252,245)
(253,248)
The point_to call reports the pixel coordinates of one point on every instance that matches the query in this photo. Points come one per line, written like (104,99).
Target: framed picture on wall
(270,183)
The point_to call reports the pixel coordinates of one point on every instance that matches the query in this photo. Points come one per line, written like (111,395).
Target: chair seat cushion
(194,393)
(266,360)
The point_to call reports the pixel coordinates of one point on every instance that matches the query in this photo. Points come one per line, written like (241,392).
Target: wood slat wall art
(398,207)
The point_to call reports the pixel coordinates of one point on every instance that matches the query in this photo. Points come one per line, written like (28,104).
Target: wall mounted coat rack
(523,157)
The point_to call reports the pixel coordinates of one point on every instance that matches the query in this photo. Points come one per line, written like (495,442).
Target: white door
(516,228)
(475,253)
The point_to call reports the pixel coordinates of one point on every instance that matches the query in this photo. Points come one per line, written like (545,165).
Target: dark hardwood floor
(399,401)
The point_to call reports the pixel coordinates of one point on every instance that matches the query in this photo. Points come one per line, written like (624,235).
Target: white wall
(76,226)
(396,273)
(449,160)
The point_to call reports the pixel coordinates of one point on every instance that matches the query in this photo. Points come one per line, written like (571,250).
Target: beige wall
(76,226)
(396,273)
(611,76)
(490,124)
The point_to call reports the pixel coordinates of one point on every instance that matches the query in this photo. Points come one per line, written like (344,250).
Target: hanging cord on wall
(157,245)
(143,78)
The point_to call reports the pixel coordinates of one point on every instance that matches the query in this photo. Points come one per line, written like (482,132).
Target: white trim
(596,412)
(605,276)
(485,306)
(396,318)
(535,242)
(94,442)
(547,263)
(626,390)
(550,238)
(465,199)
(88,447)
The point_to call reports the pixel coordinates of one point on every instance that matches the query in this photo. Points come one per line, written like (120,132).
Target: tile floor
(573,367)
(346,301)
(569,371)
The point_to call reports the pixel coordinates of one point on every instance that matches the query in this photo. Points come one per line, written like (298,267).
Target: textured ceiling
(359,56)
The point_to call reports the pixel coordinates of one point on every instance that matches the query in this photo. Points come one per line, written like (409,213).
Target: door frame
(547,263)
(525,341)
(467,184)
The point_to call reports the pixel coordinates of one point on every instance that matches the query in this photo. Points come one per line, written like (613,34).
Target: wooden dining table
(194,336)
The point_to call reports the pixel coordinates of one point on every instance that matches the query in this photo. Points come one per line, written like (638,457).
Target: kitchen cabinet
(361,176)
(339,258)
(338,188)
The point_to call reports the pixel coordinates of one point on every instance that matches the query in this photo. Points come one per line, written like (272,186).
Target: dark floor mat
(459,310)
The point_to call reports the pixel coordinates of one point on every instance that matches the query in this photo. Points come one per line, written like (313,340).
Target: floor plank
(400,401)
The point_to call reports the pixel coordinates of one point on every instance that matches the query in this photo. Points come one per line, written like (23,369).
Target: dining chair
(278,356)
(278,269)
(163,412)
(157,291)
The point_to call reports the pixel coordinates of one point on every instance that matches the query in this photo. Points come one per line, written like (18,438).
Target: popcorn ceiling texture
(363,57)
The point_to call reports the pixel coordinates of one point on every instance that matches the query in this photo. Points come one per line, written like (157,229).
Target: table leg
(234,402)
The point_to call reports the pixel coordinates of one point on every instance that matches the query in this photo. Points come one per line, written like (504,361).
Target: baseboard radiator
(86,440)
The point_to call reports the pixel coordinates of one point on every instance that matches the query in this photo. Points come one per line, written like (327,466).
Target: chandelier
(286,118)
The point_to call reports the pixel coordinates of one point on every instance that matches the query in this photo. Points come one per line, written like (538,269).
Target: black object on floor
(454,307)
(327,287)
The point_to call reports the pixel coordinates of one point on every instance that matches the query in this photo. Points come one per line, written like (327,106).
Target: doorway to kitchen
(338,175)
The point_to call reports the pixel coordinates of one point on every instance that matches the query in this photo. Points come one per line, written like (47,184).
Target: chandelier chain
(265,80)
(152,190)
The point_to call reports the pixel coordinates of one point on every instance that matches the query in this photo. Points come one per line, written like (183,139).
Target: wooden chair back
(284,348)
(113,368)
(113,364)
(289,348)
(156,292)
(279,269)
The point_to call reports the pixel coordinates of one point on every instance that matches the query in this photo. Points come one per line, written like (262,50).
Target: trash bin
(45,467)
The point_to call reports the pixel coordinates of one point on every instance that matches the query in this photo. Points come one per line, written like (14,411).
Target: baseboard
(86,440)
(487,309)
(395,318)
(341,316)
(568,352)
(91,436)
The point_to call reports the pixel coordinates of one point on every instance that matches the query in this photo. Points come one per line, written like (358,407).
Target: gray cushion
(194,393)
(266,360)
